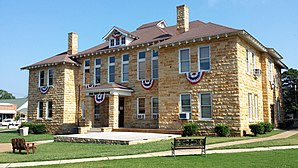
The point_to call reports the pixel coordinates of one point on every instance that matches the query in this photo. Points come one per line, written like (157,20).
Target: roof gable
(116,32)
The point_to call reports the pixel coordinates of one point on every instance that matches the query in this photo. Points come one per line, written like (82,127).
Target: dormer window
(123,40)
(112,42)
(117,41)
(119,37)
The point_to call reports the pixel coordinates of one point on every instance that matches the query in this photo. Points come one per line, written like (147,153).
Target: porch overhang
(115,89)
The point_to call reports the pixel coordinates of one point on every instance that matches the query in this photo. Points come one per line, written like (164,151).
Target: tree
(5,95)
(289,86)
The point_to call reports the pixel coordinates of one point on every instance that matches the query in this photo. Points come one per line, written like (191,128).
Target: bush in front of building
(190,129)
(222,130)
(268,127)
(257,128)
(35,128)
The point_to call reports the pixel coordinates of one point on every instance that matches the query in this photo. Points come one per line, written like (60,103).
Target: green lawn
(293,140)
(5,137)
(268,159)
(62,150)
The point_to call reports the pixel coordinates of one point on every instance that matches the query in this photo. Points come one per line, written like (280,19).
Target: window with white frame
(248,61)
(96,111)
(86,70)
(184,60)
(154,107)
(141,107)
(111,70)
(256,107)
(154,64)
(50,77)
(41,78)
(204,58)
(277,82)
(205,103)
(141,65)
(253,60)
(117,41)
(185,103)
(112,42)
(83,110)
(49,111)
(270,75)
(97,66)
(250,109)
(123,40)
(125,68)
(39,109)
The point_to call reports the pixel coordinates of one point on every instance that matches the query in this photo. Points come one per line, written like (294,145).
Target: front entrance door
(272,113)
(121,112)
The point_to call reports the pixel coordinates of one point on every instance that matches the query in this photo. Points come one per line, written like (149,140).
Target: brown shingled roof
(59,58)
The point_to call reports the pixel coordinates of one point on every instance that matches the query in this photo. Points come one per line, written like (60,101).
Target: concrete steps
(101,129)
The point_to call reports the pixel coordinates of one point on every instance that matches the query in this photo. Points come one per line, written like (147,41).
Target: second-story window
(141,65)
(41,78)
(184,60)
(117,41)
(50,77)
(123,40)
(248,61)
(97,66)
(125,68)
(154,64)
(111,72)
(270,75)
(112,42)
(86,71)
(204,58)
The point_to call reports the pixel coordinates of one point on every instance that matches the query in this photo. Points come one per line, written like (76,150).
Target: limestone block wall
(249,84)
(220,81)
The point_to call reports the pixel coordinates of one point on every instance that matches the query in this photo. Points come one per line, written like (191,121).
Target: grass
(5,137)
(292,140)
(280,158)
(63,150)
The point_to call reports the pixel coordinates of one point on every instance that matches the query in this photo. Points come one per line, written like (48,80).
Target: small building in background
(20,106)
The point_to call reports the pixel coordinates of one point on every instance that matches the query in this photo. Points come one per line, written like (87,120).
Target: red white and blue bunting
(147,84)
(272,85)
(99,98)
(116,34)
(194,77)
(44,89)
(87,86)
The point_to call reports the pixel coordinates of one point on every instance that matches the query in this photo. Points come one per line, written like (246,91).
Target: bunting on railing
(272,85)
(89,86)
(194,77)
(44,89)
(116,34)
(147,84)
(99,98)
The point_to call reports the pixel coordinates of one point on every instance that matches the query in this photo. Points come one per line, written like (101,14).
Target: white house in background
(6,111)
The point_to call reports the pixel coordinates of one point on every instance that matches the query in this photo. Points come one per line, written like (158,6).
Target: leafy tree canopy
(5,95)
(290,88)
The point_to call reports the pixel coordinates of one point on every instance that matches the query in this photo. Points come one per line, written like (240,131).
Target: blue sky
(31,31)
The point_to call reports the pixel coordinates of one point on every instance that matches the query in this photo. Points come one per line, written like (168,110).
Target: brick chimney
(182,19)
(72,43)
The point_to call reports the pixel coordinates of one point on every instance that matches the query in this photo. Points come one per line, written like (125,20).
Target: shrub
(268,127)
(190,129)
(257,128)
(222,130)
(35,128)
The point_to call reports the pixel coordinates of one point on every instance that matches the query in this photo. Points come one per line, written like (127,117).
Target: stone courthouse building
(159,77)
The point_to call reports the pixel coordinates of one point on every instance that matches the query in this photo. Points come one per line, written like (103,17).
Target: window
(112,42)
(50,77)
(83,110)
(117,41)
(184,60)
(142,65)
(41,78)
(111,70)
(123,40)
(86,70)
(256,106)
(270,76)
(125,68)
(185,105)
(49,109)
(250,106)
(97,65)
(204,58)
(96,111)
(205,102)
(141,107)
(154,64)
(40,109)
(253,61)
(154,107)
(248,59)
